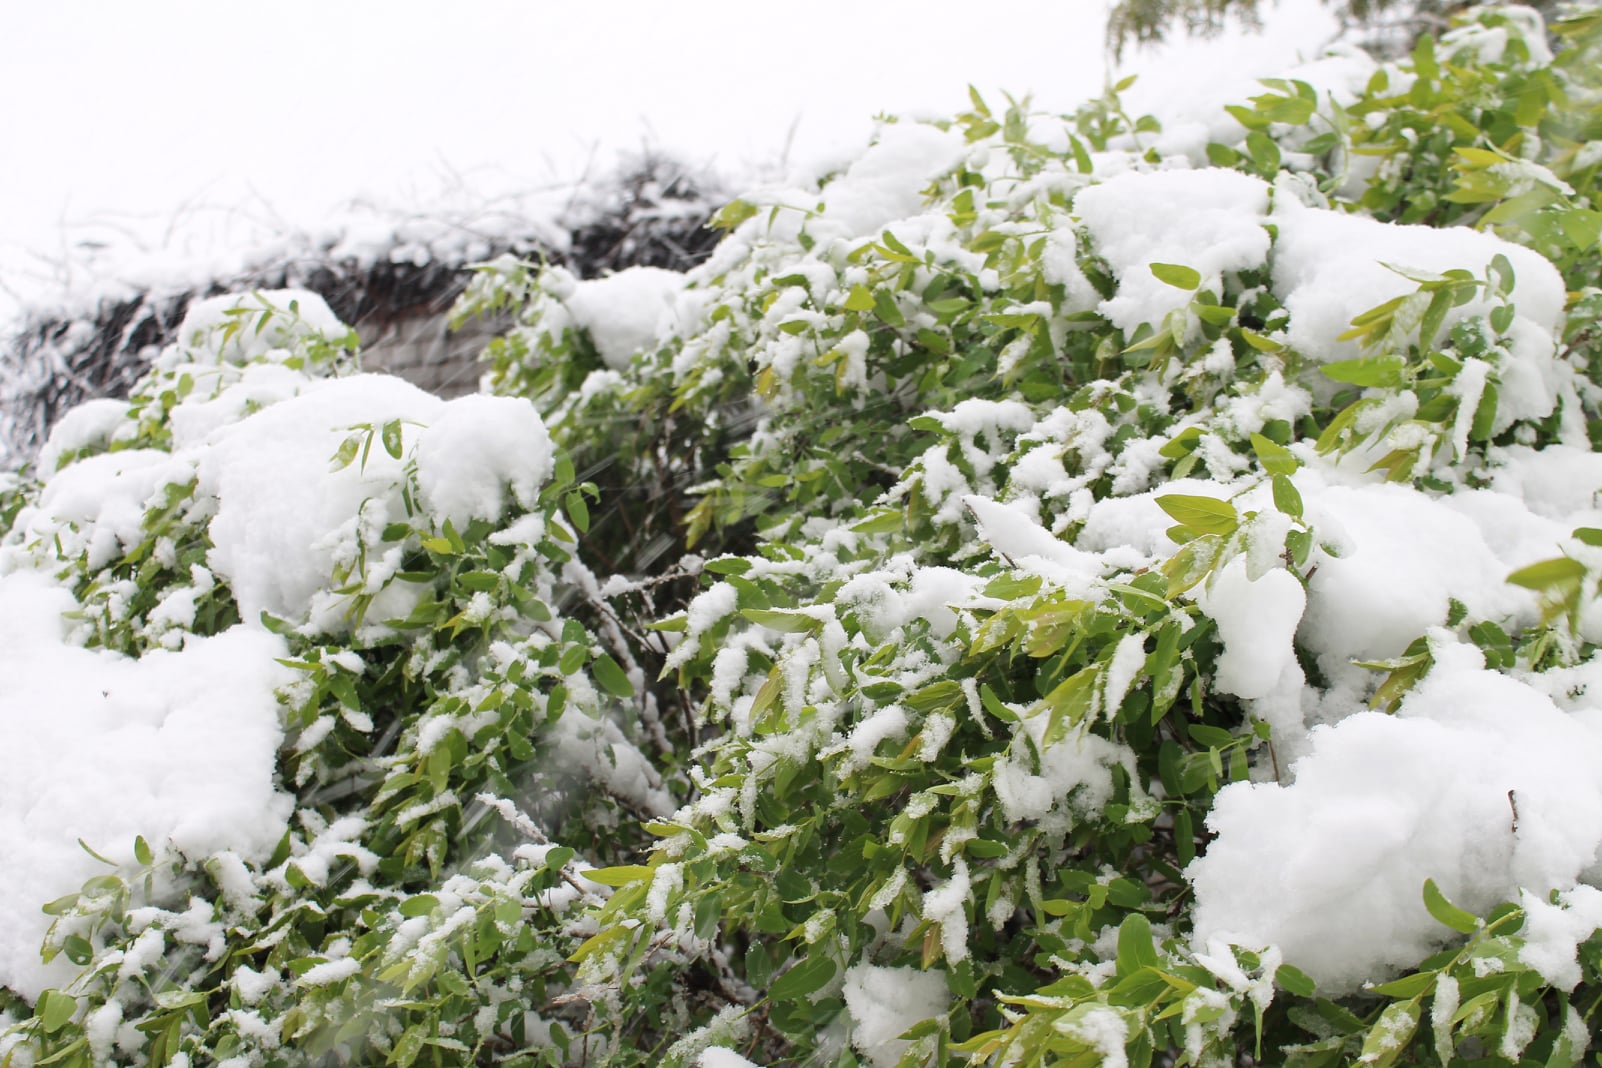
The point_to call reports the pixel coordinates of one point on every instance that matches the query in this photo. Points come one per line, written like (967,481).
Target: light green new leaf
(784,622)
(1387,1040)
(1207,515)
(54,1009)
(1460,920)
(1177,275)
(1275,458)
(1383,371)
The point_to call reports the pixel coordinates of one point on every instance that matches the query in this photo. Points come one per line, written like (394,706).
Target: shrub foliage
(770,702)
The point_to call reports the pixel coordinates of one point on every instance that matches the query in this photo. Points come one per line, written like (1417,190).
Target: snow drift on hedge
(180,745)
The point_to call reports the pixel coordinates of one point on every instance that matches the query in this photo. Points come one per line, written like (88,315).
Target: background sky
(180,127)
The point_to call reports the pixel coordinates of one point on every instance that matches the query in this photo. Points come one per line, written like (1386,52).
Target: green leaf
(345,455)
(54,1009)
(1434,316)
(611,676)
(1177,275)
(1214,737)
(562,472)
(1409,986)
(896,249)
(1549,574)
(142,851)
(1502,271)
(1208,515)
(1287,498)
(1260,342)
(90,850)
(392,438)
(1294,981)
(78,949)
(421,905)
(1276,459)
(1184,838)
(60,906)
(1387,1040)
(1135,948)
(884,306)
(1264,151)
(1382,371)
(885,522)
(784,622)
(572,658)
(1192,563)
(621,875)
(733,214)
(1581,226)
(807,977)
(1068,703)
(1445,912)
(578,511)
(1181,444)
(860,299)
(994,704)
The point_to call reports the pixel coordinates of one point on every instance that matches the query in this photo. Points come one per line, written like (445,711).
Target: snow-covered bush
(1058,590)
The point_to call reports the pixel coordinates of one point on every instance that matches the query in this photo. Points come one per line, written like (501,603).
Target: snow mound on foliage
(1478,782)
(1330,266)
(283,517)
(285,521)
(887,181)
(235,328)
(1210,221)
(295,479)
(1257,620)
(179,747)
(624,312)
(884,1002)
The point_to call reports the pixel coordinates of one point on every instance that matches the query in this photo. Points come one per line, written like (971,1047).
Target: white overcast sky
(117,117)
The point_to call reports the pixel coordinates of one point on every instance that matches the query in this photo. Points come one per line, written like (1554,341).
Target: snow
(1209,220)
(329,972)
(178,747)
(1071,777)
(1403,557)
(626,311)
(1027,546)
(1553,933)
(887,181)
(884,1002)
(1105,1031)
(233,328)
(284,520)
(1331,266)
(1331,868)
(477,449)
(89,425)
(1257,623)
(100,501)
(944,905)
